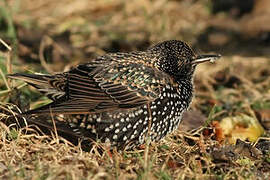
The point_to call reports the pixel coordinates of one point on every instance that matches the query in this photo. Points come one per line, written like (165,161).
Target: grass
(77,31)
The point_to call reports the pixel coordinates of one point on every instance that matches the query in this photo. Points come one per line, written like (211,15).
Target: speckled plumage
(124,94)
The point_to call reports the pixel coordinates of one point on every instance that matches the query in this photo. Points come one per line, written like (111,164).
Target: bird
(124,97)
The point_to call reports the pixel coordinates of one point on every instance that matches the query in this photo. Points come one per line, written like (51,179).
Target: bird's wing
(103,86)
(106,84)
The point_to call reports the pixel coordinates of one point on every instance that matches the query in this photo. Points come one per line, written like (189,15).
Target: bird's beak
(205,58)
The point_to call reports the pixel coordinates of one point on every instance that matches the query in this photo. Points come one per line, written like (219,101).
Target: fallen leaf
(219,135)
(241,127)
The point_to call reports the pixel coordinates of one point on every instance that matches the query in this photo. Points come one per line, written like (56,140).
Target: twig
(44,41)
(5,44)
(9,65)
(5,80)
(148,139)
(54,127)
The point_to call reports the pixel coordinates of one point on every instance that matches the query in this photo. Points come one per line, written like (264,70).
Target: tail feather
(43,83)
(36,80)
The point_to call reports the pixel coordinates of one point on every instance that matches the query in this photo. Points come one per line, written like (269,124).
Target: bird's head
(177,59)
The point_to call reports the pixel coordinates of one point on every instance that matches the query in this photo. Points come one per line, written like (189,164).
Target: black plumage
(125,96)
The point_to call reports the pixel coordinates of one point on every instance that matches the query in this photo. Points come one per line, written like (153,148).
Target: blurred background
(51,36)
(83,29)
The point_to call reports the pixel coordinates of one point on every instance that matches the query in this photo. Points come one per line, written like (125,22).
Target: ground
(218,138)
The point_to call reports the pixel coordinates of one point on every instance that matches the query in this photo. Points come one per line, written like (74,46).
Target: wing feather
(105,84)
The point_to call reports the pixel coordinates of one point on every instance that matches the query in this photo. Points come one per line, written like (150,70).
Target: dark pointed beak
(205,58)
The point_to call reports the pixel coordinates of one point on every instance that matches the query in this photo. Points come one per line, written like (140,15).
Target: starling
(124,97)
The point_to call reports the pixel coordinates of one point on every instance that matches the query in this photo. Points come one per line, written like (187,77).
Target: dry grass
(234,85)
